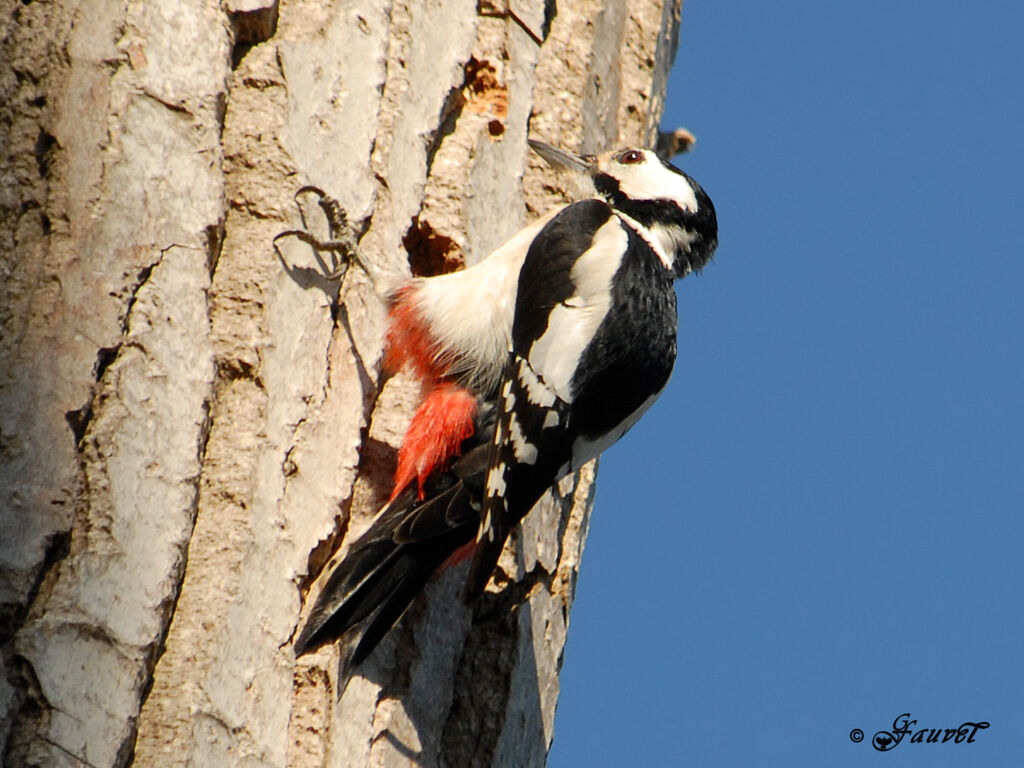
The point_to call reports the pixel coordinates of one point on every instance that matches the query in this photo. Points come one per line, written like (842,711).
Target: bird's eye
(631,156)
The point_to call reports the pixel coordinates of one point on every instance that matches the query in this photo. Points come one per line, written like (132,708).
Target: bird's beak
(563,159)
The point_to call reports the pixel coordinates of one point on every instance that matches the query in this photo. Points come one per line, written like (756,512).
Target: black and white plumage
(565,336)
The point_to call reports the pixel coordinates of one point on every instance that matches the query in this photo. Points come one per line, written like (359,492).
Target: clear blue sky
(820,526)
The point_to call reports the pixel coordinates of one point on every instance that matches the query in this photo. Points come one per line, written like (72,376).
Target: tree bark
(192,427)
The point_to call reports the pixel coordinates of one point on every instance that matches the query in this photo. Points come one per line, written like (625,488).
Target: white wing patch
(487,528)
(525,451)
(495,489)
(573,324)
(508,397)
(537,391)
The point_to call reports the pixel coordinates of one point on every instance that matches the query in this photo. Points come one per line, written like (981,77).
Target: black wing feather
(390,563)
(544,281)
(525,401)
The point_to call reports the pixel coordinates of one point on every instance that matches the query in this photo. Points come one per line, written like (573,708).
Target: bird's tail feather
(386,568)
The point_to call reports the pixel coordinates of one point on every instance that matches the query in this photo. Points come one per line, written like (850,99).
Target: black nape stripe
(703,222)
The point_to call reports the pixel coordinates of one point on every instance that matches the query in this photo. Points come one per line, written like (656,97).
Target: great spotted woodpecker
(534,361)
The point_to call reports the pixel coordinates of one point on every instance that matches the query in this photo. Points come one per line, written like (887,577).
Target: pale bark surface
(190,427)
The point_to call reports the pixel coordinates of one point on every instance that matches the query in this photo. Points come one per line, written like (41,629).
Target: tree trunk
(191,426)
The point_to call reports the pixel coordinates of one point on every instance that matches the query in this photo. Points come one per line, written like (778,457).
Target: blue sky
(820,525)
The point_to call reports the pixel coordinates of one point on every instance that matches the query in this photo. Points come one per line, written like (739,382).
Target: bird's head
(642,186)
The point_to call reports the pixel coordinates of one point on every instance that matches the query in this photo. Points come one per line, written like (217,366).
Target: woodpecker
(533,362)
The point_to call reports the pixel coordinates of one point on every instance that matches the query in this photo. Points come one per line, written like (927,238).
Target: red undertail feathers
(443,420)
(445,417)
(409,342)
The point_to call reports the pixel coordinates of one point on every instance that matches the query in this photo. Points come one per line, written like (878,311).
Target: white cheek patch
(662,249)
(651,180)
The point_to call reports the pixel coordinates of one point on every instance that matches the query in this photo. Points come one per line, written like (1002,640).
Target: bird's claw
(341,240)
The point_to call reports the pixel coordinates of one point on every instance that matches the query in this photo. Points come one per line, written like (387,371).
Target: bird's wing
(564,294)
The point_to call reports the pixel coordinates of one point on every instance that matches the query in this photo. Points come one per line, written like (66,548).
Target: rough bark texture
(190,427)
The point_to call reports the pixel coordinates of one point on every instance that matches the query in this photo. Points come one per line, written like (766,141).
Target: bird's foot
(341,241)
